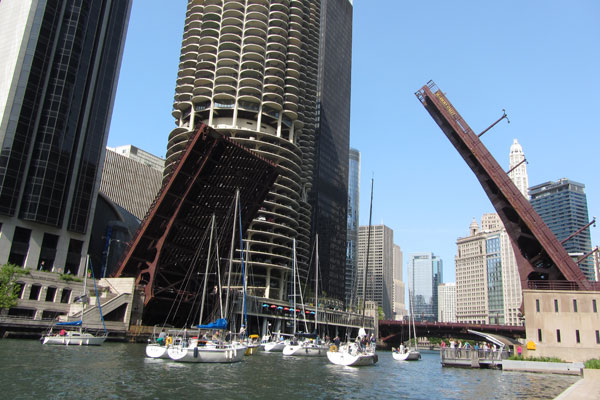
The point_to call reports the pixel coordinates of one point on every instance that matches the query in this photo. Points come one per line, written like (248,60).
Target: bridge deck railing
(449,354)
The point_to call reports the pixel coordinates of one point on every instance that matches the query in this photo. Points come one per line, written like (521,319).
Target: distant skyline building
(563,207)
(488,286)
(379,285)
(518,168)
(447,302)
(60,63)
(352,227)
(141,156)
(131,179)
(275,77)
(425,273)
(398,298)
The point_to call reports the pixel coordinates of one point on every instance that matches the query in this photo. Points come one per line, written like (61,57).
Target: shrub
(593,363)
(540,359)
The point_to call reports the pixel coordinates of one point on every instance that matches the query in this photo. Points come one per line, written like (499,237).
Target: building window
(555,305)
(65,296)
(574,305)
(34,294)
(50,294)
(537,305)
(594,305)
(540,335)
(597,337)
(577,336)
(558,335)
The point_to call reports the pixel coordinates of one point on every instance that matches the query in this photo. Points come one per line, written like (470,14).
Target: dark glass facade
(62,123)
(329,197)
(352,226)
(54,124)
(563,207)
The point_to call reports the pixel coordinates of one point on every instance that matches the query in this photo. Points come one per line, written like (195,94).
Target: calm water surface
(29,370)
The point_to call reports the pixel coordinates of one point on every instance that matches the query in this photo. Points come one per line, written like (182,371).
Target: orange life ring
(333,348)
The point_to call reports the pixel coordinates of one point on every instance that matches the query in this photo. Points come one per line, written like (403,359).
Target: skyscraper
(518,168)
(274,76)
(425,273)
(447,302)
(399,289)
(379,284)
(488,287)
(328,198)
(61,61)
(352,227)
(563,207)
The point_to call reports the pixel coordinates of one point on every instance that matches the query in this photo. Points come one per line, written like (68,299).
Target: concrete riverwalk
(586,388)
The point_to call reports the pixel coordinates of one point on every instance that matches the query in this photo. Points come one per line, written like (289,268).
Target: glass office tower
(425,273)
(563,207)
(352,226)
(55,106)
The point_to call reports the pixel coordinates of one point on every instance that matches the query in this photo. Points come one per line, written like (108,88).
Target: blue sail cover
(218,324)
(72,323)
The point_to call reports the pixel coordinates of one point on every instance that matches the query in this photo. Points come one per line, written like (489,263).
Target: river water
(29,370)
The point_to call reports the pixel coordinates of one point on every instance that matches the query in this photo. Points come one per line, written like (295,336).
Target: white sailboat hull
(73,339)
(273,346)
(306,350)
(409,355)
(351,357)
(155,350)
(208,354)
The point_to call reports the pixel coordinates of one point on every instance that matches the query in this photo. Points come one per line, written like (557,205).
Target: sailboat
(357,354)
(311,345)
(408,353)
(66,335)
(199,348)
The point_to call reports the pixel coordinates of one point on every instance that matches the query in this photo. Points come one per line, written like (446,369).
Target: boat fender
(169,340)
(195,352)
(333,348)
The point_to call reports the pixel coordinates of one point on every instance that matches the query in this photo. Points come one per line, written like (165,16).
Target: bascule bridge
(557,295)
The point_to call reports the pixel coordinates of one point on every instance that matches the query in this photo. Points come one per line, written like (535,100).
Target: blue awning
(72,323)
(218,324)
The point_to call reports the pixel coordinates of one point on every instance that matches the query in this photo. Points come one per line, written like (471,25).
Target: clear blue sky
(539,60)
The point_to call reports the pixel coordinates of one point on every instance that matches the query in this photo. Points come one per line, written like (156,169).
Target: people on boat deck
(62,332)
(336,341)
(401,349)
(467,346)
(161,337)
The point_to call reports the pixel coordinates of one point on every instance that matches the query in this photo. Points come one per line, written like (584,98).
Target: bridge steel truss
(539,255)
(168,253)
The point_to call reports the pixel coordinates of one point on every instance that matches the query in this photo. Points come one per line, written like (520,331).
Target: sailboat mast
(231,248)
(212,228)
(368,251)
(317,283)
(83,296)
(244,275)
(294,278)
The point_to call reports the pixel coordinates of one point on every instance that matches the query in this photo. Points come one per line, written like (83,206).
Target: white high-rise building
(447,302)
(380,268)
(519,174)
(471,277)
(488,286)
(398,303)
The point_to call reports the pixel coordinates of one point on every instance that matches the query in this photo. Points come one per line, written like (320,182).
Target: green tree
(9,289)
